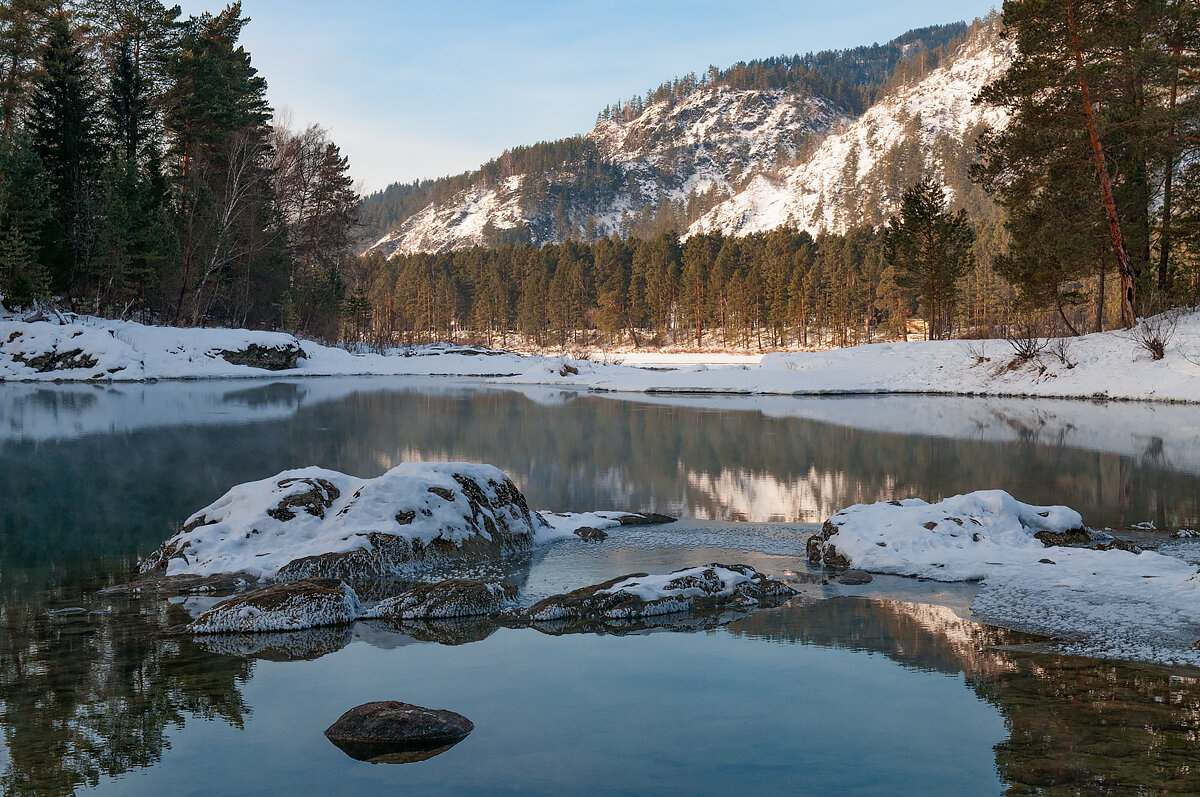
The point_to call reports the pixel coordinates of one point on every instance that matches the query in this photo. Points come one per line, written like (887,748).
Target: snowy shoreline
(1105,366)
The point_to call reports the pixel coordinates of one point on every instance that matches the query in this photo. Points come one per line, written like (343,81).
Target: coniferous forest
(143,175)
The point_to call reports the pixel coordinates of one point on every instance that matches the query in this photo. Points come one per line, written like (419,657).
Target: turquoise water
(882,690)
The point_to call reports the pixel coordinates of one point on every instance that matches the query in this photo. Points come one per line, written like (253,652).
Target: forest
(1081,214)
(143,174)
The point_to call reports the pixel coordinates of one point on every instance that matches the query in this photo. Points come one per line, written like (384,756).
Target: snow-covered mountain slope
(856,174)
(731,159)
(711,140)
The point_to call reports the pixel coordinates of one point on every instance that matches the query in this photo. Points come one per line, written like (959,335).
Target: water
(878,690)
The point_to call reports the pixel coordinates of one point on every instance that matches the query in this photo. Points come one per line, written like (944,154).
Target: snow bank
(1104,365)
(1098,601)
(93,349)
(289,606)
(317,522)
(643,595)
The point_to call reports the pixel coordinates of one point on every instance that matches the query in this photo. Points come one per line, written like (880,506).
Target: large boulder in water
(318,523)
(641,595)
(453,597)
(287,606)
(959,538)
(393,732)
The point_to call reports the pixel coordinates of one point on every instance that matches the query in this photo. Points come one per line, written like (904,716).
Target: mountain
(857,174)
(783,140)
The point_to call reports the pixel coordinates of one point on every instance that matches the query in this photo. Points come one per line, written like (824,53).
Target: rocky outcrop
(821,551)
(55,360)
(317,523)
(642,595)
(454,597)
(270,358)
(393,732)
(287,606)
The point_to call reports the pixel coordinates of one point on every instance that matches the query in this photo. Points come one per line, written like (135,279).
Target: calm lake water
(877,690)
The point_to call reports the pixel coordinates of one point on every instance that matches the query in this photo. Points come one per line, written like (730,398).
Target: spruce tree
(931,250)
(62,123)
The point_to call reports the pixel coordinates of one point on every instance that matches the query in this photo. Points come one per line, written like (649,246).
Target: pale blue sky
(424,89)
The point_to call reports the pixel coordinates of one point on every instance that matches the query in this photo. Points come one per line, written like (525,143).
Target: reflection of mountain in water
(121,493)
(1077,726)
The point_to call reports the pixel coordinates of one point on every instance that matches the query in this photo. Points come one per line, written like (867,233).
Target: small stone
(589,534)
(854,578)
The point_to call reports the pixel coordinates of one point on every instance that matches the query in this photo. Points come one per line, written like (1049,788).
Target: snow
(248,529)
(958,539)
(1101,603)
(1103,365)
(127,351)
(681,584)
(563,525)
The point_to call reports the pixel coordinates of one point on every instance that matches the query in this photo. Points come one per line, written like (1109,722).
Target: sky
(414,90)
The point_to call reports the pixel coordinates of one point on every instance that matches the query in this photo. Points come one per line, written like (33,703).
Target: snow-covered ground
(1107,365)
(1109,603)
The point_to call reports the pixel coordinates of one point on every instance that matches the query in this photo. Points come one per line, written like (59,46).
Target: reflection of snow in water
(761,497)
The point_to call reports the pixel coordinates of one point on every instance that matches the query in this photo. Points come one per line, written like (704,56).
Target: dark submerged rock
(589,534)
(389,731)
(854,578)
(645,519)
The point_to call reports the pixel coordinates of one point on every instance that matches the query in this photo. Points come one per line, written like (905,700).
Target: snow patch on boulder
(314,522)
(644,595)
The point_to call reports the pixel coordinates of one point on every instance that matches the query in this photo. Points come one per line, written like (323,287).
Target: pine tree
(931,250)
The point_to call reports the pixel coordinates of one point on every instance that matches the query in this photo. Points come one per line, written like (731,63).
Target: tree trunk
(1128,295)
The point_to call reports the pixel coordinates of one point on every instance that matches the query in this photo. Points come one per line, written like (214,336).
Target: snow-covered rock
(315,522)
(454,597)
(1104,600)
(287,606)
(642,595)
(948,541)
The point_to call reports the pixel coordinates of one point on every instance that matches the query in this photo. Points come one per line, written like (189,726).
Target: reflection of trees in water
(1076,726)
(85,697)
(123,494)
